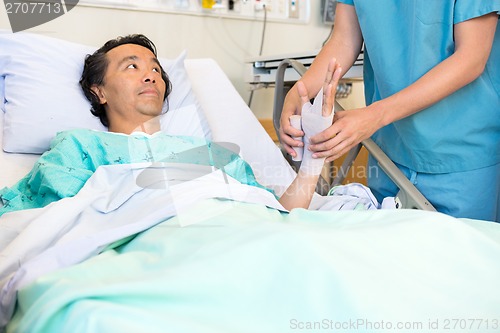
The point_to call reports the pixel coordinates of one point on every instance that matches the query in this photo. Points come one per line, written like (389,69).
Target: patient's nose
(149,76)
(149,79)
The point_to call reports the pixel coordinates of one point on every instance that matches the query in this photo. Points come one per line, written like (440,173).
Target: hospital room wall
(227,40)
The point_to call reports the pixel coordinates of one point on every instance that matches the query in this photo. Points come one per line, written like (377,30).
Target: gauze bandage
(296,122)
(313,122)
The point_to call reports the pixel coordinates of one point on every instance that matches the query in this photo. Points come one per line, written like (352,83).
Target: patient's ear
(98,91)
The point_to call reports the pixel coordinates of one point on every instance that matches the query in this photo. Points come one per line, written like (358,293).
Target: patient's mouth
(151,91)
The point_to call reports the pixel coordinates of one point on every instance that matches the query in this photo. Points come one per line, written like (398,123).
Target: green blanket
(246,268)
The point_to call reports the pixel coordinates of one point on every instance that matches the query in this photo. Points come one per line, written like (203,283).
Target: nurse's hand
(292,106)
(297,97)
(349,128)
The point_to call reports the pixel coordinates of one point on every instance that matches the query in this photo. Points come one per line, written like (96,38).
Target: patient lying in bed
(127,87)
(133,259)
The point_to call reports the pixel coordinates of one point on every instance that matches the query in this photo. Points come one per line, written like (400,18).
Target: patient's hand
(318,116)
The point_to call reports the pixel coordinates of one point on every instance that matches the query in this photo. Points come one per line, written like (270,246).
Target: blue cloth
(467,194)
(403,41)
(75,155)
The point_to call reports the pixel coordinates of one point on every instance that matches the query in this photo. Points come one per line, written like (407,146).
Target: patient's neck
(150,127)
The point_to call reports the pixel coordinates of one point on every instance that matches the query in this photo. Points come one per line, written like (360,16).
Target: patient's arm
(300,192)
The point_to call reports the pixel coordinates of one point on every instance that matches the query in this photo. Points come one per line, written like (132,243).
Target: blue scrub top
(404,39)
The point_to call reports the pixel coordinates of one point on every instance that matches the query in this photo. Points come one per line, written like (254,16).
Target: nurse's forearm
(474,39)
(437,84)
(344,45)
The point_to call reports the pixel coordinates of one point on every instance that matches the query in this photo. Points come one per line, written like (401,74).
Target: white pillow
(43,97)
(2,93)
(186,120)
(185,116)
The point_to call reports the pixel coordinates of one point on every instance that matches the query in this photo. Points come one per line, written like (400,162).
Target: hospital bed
(197,262)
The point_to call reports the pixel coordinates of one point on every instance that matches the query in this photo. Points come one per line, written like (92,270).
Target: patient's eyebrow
(135,58)
(156,61)
(127,59)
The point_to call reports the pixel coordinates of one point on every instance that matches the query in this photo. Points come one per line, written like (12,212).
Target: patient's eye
(156,69)
(132,66)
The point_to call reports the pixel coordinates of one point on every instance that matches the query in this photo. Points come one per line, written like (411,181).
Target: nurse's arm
(344,45)
(473,43)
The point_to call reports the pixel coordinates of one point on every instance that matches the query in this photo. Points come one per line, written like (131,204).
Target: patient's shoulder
(80,132)
(82,135)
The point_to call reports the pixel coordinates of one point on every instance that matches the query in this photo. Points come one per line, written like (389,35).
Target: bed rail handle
(280,91)
(409,195)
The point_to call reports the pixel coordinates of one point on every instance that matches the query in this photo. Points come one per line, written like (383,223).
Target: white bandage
(296,123)
(313,123)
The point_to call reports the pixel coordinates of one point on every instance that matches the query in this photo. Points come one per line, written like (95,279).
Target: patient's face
(133,88)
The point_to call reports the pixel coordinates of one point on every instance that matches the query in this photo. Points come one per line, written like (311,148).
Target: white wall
(228,41)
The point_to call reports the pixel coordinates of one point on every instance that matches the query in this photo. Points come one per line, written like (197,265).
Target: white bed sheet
(231,120)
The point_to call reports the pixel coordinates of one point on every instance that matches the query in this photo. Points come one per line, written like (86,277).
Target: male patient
(127,87)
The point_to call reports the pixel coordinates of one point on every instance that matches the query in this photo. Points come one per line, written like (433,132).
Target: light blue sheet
(247,268)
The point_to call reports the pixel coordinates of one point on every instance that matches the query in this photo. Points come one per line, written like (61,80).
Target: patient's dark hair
(95,67)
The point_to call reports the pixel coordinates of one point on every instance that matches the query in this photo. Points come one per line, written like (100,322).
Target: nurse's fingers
(330,89)
(287,141)
(302,90)
(328,100)
(332,148)
(329,73)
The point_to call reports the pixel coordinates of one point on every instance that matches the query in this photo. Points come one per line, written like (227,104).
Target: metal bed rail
(408,197)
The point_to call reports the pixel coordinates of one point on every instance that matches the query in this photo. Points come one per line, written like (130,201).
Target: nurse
(432,90)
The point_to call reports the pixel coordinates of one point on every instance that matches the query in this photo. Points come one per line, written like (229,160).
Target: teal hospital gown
(75,155)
